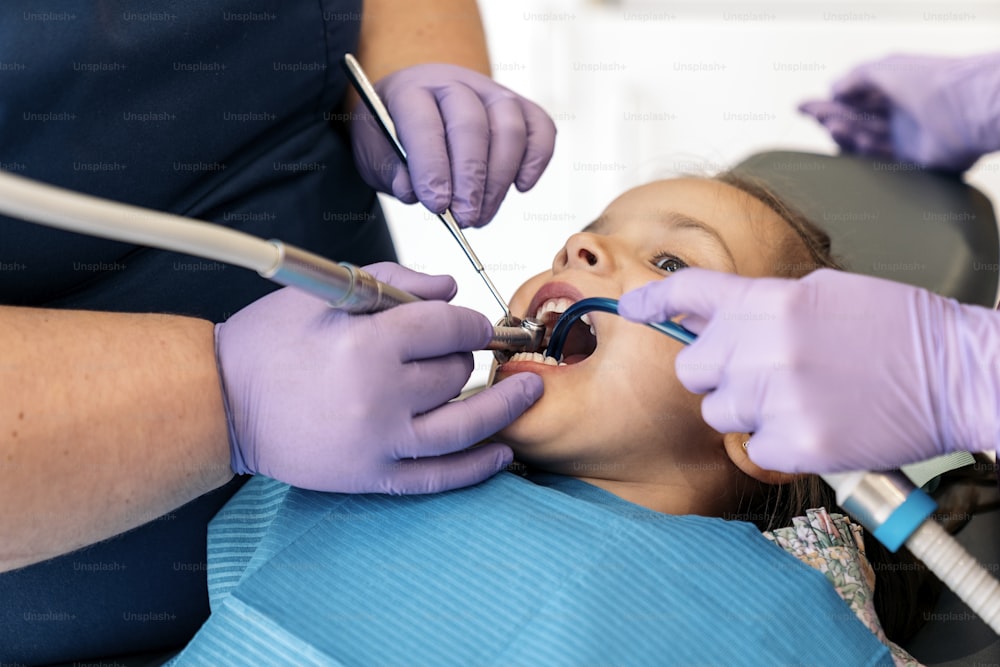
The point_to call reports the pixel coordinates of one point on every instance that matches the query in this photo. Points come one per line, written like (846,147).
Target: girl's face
(616,410)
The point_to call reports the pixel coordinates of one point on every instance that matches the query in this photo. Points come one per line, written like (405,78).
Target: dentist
(135,383)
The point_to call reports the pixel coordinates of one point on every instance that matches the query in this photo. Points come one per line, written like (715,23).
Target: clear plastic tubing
(891,508)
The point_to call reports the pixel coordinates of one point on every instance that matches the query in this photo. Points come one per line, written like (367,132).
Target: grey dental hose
(287,265)
(342,285)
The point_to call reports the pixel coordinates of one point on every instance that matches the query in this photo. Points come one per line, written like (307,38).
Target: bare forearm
(106,421)
(399,33)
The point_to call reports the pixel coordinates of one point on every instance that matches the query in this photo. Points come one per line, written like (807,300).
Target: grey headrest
(892,220)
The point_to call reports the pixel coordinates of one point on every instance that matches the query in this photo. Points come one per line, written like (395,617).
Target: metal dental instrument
(526,336)
(367,92)
(343,285)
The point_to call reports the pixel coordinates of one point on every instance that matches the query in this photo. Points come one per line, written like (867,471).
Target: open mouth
(547,306)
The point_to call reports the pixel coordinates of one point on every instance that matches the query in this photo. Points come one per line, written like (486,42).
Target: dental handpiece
(374,103)
(347,287)
(342,285)
(886,503)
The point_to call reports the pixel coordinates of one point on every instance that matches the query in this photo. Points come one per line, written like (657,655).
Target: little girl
(635,534)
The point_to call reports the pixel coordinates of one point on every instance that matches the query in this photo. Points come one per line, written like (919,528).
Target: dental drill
(887,504)
(344,286)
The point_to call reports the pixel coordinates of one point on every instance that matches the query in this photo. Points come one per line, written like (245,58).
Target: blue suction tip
(605,305)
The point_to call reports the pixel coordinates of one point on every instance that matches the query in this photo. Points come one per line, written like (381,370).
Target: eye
(669,263)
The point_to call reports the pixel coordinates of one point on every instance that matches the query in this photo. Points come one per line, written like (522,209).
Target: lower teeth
(537,357)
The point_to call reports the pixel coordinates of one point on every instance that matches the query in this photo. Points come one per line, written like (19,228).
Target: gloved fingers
(434,382)
(882,147)
(402,186)
(458,424)
(874,143)
(732,407)
(376,159)
(858,90)
(541,144)
(846,118)
(842,131)
(875,124)
(863,142)
(441,473)
(691,291)
(430,329)
(653,302)
(700,367)
(821,110)
(467,129)
(421,129)
(772,451)
(838,120)
(425,286)
(867,99)
(863,131)
(853,84)
(508,142)
(792,444)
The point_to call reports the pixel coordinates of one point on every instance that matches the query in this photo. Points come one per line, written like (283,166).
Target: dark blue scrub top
(222,110)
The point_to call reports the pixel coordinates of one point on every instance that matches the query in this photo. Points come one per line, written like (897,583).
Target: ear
(733,442)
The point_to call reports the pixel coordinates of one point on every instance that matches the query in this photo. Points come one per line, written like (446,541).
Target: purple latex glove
(934,111)
(325,400)
(835,371)
(466,137)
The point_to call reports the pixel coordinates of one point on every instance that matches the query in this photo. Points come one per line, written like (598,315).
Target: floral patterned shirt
(834,545)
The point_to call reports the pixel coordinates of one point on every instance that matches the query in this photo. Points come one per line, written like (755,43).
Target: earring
(745,443)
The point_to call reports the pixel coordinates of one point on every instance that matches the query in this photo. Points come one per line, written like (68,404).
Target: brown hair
(905,591)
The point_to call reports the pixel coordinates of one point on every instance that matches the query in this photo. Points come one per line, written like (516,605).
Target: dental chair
(928,229)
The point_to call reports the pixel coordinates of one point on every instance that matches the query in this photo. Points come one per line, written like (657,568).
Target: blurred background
(648,90)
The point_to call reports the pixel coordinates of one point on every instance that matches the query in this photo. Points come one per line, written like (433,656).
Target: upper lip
(553,290)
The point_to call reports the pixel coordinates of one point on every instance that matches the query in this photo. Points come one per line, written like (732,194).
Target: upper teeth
(559,305)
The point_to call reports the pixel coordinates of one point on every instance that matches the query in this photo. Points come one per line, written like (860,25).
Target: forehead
(753,232)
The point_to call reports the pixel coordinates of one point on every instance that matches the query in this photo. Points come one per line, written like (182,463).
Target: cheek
(658,397)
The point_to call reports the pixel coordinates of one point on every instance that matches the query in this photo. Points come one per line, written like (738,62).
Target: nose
(585,251)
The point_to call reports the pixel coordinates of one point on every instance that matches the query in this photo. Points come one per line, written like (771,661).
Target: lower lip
(512,367)
(531,366)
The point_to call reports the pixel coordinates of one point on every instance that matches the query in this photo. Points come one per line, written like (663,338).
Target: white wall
(685,70)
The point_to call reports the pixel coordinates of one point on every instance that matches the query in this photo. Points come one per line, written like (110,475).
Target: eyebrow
(681,221)
(676,220)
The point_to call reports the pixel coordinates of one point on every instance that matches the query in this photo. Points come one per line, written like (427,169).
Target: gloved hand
(466,137)
(934,111)
(835,371)
(326,400)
